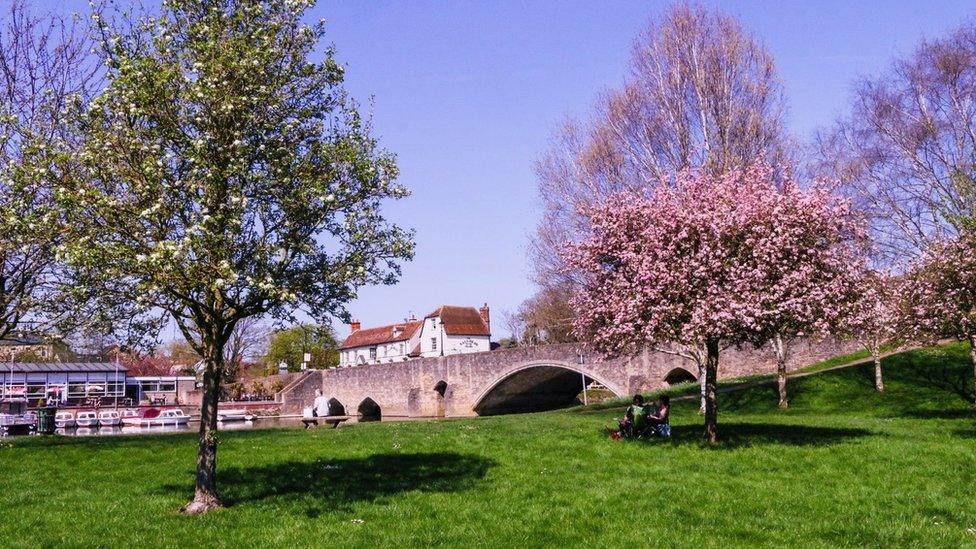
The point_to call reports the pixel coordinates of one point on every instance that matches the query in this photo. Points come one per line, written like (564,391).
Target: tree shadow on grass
(965,433)
(335,484)
(952,413)
(942,376)
(733,435)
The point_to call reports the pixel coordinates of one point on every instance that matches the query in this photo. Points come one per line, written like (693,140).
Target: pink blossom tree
(802,266)
(941,292)
(710,262)
(876,318)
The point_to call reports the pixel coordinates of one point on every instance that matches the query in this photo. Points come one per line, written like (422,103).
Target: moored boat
(234,415)
(87,418)
(171,416)
(130,416)
(109,418)
(65,420)
(14,417)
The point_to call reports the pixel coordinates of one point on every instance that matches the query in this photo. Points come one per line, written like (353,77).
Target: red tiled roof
(461,320)
(381,334)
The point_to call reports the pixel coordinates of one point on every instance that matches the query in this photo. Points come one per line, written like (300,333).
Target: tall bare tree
(44,64)
(702,93)
(546,317)
(248,339)
(907,150)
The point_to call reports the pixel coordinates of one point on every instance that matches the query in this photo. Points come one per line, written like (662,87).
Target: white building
(448,330)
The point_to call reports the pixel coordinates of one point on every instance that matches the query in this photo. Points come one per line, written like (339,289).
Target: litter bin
(45,420)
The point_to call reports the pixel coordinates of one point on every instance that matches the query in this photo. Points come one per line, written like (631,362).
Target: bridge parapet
(521,379)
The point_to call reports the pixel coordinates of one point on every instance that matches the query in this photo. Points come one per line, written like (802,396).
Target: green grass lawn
(843,466)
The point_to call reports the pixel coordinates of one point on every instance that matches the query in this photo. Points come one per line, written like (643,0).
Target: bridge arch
(369,410)
(680,375)
(336,408)
(440,398)
(537,386)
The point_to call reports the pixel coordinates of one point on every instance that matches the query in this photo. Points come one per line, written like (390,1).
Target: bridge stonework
(521,379)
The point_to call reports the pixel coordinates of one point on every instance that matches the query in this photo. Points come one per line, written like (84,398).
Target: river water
(262,423)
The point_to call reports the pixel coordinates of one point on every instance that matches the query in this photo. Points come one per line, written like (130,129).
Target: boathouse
(66,382)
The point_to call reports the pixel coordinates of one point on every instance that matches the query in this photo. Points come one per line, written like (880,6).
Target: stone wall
(460,385)
(300,392)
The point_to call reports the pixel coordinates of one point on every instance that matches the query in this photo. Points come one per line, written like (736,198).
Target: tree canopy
(713,261)
(290,344)
(226,174)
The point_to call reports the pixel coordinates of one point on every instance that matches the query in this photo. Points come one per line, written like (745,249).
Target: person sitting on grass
(659,418)
(635,418)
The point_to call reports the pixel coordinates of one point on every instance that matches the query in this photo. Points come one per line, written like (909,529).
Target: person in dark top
(660,415)
(659,421)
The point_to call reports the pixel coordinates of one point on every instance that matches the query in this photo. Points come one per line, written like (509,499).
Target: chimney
(485,316)
(354,326)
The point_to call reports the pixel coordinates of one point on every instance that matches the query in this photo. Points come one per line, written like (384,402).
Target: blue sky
(468,93)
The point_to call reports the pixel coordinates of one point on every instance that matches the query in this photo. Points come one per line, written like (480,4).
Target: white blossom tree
(44,62)
(226,175)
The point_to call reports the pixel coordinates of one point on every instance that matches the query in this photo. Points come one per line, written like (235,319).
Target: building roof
(54,367)
(390,333)
(22,340)
(461,320)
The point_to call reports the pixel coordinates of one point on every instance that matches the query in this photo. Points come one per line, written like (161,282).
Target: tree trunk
(711,405)
(701,383)
(972,359)
(878,379)
(205,495)
(780,346)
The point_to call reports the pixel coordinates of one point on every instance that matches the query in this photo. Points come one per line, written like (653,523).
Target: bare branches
(44,61)
(702,93)
(907,151)
(44,64)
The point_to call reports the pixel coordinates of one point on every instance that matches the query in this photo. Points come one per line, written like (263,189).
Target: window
(433,344)
(372,353)
(401,348)
(168,386)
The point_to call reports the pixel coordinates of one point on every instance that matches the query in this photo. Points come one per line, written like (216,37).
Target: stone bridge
(524,379)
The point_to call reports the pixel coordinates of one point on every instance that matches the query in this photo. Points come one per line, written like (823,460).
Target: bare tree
(907,150)
(44,65)
(514,324)
(248,339)
(547,317)
(702,93)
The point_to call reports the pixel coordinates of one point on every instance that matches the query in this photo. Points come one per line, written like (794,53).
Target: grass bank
(843,466)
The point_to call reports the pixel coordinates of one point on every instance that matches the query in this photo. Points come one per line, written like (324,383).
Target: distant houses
(27,345)
(447,330)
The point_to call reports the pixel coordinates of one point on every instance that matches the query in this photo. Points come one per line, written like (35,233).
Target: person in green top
(635,419)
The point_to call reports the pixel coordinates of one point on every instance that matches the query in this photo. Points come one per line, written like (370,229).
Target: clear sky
(468,93)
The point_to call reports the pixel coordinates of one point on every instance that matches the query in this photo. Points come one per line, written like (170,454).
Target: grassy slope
(843,466)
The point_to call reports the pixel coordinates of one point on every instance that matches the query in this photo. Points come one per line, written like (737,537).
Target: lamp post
(115,381)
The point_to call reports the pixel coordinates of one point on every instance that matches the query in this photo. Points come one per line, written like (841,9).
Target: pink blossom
(736,259)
